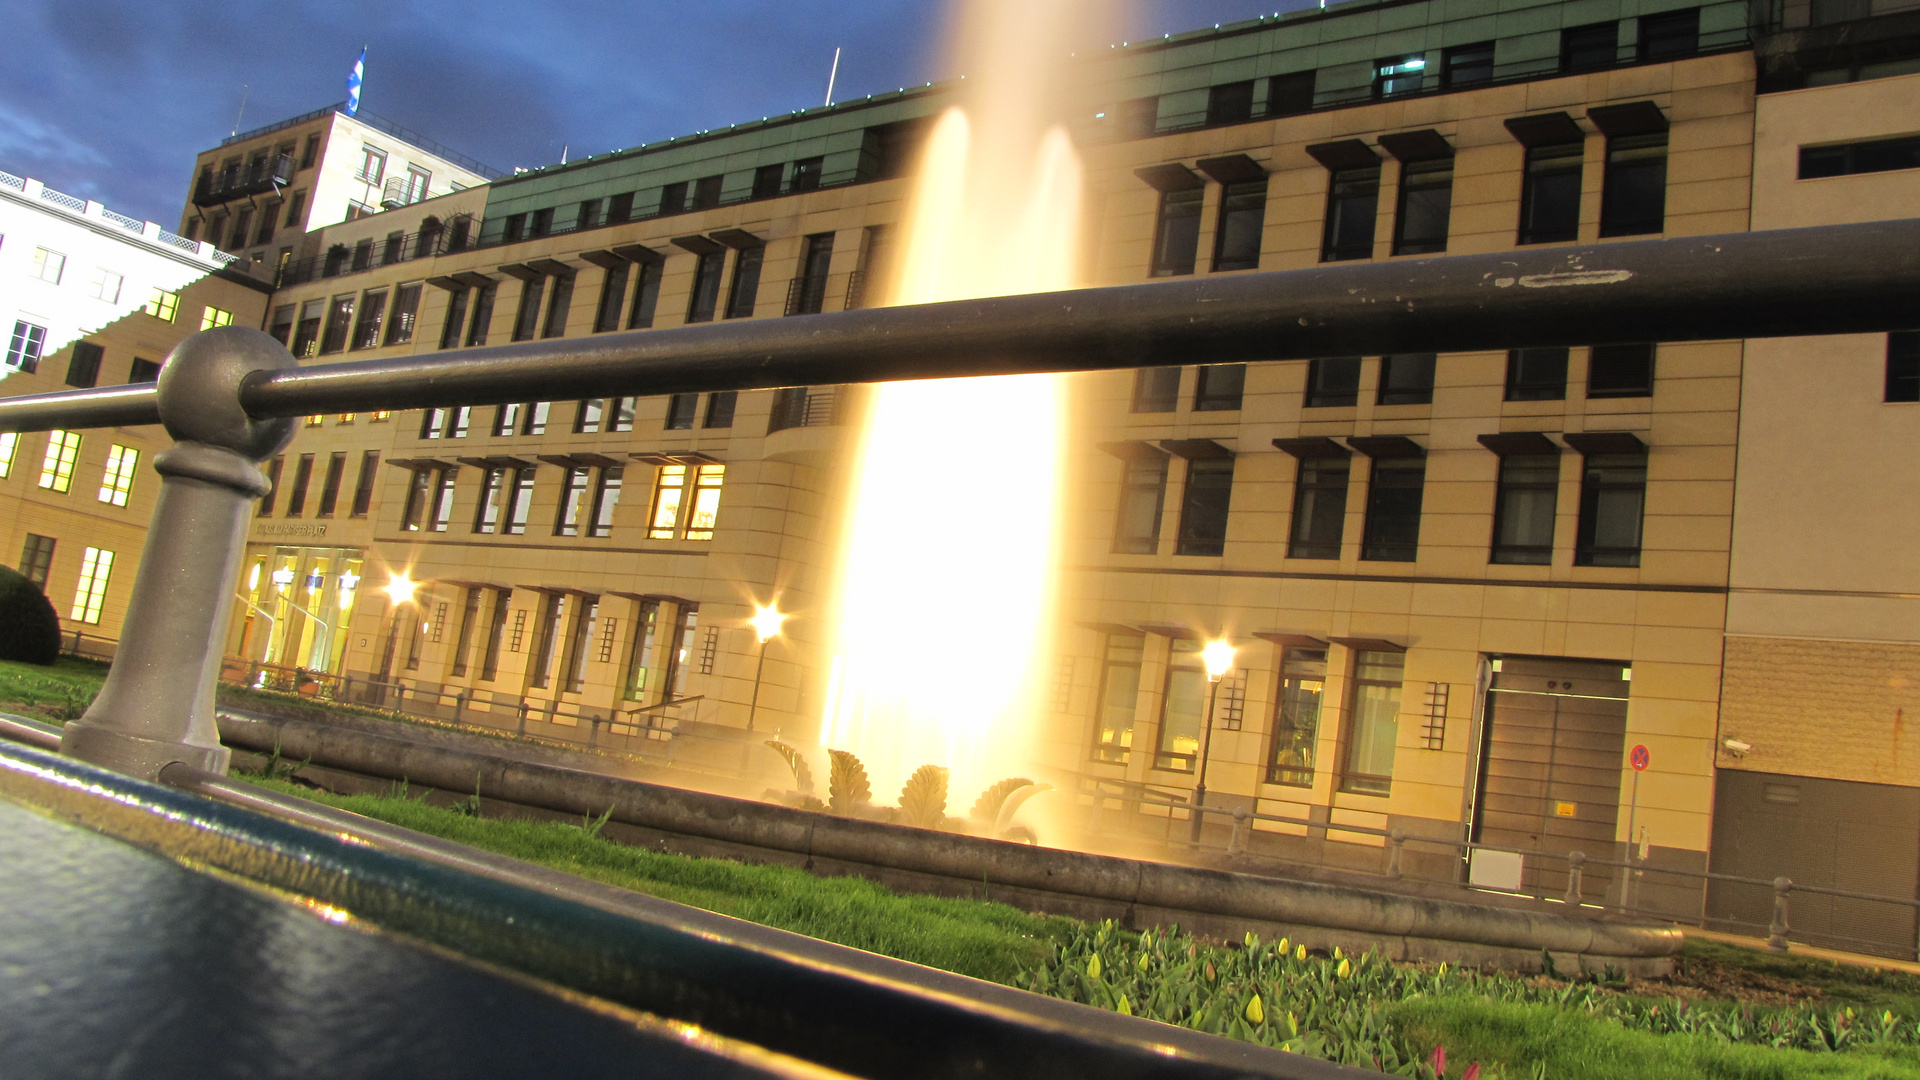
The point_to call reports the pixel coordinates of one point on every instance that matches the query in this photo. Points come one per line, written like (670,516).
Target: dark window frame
(1423,207)
(1633,194)
(1321,489)
(1903,366)
(1219,387)
(1143,481)
(1621,371)
(1241,226)
(1521,480)
(1544,193)
(1353,201)
(1396,498)
(1333,382)
(1206,501)
(1538,374)
(1603,476)
(1176,232)
(1156,390)
(1296,735)
(1406,379)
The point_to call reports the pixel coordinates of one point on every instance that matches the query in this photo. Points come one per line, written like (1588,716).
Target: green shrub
(29,629)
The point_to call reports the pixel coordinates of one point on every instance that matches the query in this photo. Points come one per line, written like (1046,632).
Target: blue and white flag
(354,77)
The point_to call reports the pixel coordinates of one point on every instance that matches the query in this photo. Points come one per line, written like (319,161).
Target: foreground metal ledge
(1826,280)
(833,1006)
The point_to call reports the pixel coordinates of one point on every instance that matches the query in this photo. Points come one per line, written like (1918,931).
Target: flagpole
(832,75)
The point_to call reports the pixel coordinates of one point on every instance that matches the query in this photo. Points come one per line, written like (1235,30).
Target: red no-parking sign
(1638,757)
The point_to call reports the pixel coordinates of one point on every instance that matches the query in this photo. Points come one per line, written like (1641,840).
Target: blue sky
(111,99)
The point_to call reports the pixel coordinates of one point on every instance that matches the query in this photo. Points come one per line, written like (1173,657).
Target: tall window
(535,420)
(48,266)
(573,490)
(83,370)
(806,174)
(1583,48)
(527,319)
(496,632)
(373,164)
(1319,508)
(306,334)
(720,406)
(1394,495)
(373,308)
(1353,202)
(559,306)
(1426,207)
(363,485)
(1219,387)
(469,616)
(1143,488)
(746,282)
(1406,379)
(1176,235)
(646,295)
(56,469)
(493,494)
(810,286)
(1203,507)
(1119,694)
(339,320)
(640,649)
(274,469)
(282,329)
(1243,215)
(25,347)
(297,494)
(706,286)
(1156,389)
(1375,724)
(9,446)
(620,413)
(330,487)
(106,285)
(546,639)
(686,501)
(1333,382)
(1182,709)
(96,566)
(1618,371)
(442,507)
(613,296)
(419,491)
(406,307)
(1537,374)
(681,409)
(117,482)
(1613,498)
(586,419)
(573,667)
(1903,366)
(606,498)
(1296,716)
(1550,194)
(36,559)
(1633,201)
(1524,508)
(519,503)
(482,314)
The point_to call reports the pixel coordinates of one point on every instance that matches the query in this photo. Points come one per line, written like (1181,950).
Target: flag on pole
(354,78)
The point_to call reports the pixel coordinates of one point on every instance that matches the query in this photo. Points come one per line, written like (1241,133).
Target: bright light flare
(1218,656)
(401,588)
(766,621)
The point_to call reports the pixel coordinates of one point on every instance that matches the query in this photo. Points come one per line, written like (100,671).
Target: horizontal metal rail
(1827,280)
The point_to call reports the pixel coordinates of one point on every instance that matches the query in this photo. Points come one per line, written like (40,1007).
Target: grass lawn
(1711,964)
(52,695)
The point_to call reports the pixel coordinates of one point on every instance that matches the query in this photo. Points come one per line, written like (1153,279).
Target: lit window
(1296,717)
(9,445)
(48,265)
(63,449)
(345,418)
(380,416)
(680,514)
(117,483)
(26,345)
(316,421)
(1119,692)
(1398,75)
(95,567)
(1375,710)
(213,317)
(106,286)
(163,305)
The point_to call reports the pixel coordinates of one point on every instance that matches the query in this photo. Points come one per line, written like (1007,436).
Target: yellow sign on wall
(1565,809)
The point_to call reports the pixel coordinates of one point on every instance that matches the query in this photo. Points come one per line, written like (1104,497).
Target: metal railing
(805,406)
(378,123)
(457,235)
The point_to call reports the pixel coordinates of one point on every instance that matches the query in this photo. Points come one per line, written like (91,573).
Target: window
(459,420)
(1296,716)
(1903,366)
(1203,507)
(440,511)
(1618,371)
(1176,237)
(493,492)
(1353,202)
(680,514)
(418,180)
(810,288)
(297,494)
(106,286)
(673,198)
(573,490)
(295,206)
(1394,494)
(573,667)
(559,306)
(1375,726)
(1243,212)
(48,266)
(1231,103)
(9,446)
(116,483)
(56,469)
(1290,94)
(1879,155)
(282,329)
(1406,379)
(83,369)
(706,286)
(1524,508)
(274,468)
(143,371)
(36,559)
(1550,194)
(620,413)
(1333,382)
(513,229)
(746,282)
(24,348)
(1613,496)
(330,487)
(496,630)
(406,306)
(527,320)
(1426,205)
(432,423)
(1119,695)
(1182,710)
(766,181)
(540,222)
(211,317)
(1467,65)
(706,193)
(806,174)
(1156,389)
(1537,374)
(96,565)
(310,152)
(1398,75)
(1669,35)
(1219,387)
(269,218)
(373,308)
(1828,12)
(306,336)
(646,295)
(242,221)
(456,318)
(681,409)
(519,503)
(1143,492)
(339,321)
(482,315)
(613,295)
(419,488)
(1583,48)
(536,418)
(373,164)
(720,405)
(586,419)
(1319,508)
(363,486)
(546,637)
(1634,199)
(606,498)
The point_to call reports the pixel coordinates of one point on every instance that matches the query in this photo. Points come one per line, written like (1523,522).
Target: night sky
(111,99)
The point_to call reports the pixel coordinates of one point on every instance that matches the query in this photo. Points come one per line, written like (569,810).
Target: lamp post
(1218,657)
(766,624)
(400,589)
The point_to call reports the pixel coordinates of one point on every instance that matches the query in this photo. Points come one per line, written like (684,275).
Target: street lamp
(766,625)
(1218,658)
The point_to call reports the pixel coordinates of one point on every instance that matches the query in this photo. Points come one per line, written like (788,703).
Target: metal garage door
(1834,833)
(1551,752)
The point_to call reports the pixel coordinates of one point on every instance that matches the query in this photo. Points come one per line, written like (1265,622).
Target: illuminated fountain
(942,627)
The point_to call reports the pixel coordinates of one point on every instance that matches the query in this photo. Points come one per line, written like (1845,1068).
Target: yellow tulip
(1093,966)
(1345,969)
(1255,1014)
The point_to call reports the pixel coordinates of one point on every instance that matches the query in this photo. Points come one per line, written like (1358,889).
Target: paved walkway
(1809,951)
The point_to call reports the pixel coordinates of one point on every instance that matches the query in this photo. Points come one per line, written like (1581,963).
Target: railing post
(1396,843)
(523,718)
(1574,875)
(459,700)
(156,706)
(1236,839)
(1777,929)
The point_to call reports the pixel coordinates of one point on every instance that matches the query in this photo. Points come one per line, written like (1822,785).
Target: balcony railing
(805,406)
(457,236)
(259,177)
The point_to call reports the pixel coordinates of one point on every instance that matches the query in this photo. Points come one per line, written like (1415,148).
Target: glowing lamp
(766,621)
(1218,656)
(349,581)
(283,577)
(401,588)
